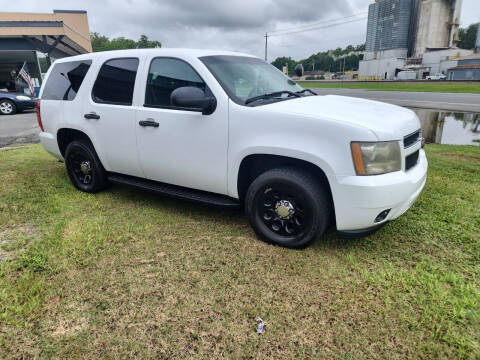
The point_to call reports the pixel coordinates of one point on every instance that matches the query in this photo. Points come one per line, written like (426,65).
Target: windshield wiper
(305,90)
(269,95)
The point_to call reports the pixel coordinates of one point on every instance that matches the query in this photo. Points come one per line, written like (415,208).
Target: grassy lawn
(128,274)
(435,86)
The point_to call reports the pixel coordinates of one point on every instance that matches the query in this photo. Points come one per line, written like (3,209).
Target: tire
(7,107)
(84,168)
(288,207)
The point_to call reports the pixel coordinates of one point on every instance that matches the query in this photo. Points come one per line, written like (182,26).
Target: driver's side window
(166,75)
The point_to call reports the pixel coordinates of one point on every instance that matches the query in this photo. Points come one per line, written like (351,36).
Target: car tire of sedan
(288,207)
(84,167)
(7,107)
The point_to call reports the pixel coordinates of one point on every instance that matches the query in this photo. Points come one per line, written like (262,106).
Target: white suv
(230,129)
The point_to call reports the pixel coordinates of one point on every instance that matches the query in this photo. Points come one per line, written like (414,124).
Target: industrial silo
(437,23)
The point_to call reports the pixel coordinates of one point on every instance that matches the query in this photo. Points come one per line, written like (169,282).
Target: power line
(307,27)
(315,26)
(319,27)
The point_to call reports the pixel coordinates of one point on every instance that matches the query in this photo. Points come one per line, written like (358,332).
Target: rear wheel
(288,207)
(7,107)
(84,167)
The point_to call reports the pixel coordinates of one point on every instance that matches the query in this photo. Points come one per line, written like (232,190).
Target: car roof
(174,52)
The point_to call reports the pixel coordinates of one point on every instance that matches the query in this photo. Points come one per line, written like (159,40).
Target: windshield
(245,77)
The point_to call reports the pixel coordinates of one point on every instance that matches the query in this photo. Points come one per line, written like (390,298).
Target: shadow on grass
(236,216)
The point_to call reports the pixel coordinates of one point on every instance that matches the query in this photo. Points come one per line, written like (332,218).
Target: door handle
(91,116)
(149,122)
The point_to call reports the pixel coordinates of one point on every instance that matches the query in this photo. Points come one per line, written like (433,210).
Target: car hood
(388,122)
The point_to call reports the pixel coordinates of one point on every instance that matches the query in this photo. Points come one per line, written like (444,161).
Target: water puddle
(443,127)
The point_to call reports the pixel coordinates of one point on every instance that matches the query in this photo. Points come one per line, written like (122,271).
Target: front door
(177,146)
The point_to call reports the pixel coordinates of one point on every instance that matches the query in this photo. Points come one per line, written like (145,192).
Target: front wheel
(288,207)
(7,107)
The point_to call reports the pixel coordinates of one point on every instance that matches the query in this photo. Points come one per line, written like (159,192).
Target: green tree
(103,43)
(280,62)
(144,43)
(99,42)
(338,52)
(348,49)
(360,47)
(468,37)
(122,43)
(324,61)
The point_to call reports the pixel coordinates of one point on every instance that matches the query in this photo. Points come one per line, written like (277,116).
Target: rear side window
(115,82)
(65,80)
(166,75)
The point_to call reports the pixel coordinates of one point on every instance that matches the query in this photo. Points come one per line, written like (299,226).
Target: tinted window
(166,75)
(65,80)
(115,82)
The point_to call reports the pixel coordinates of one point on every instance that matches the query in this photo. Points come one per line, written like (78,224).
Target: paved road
(18,129)
(437,101)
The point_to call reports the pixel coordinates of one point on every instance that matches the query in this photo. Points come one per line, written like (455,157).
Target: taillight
(39,117)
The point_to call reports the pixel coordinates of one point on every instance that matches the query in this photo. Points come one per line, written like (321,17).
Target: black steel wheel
(7,107)
(84,167)
(288,207)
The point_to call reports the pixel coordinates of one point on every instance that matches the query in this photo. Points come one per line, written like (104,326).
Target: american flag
(26,76)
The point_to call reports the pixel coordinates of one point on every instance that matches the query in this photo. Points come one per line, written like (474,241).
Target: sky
(237,25)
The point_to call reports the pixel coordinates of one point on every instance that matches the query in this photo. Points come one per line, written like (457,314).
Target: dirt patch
(13,239)
(466,157)
(69,327)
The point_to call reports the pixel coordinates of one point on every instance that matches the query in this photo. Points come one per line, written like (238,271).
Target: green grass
(128,274)
(435,86)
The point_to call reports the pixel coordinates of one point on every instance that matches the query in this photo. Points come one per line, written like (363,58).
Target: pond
(443,127)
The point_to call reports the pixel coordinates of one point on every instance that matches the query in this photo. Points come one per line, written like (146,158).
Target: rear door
(109,115)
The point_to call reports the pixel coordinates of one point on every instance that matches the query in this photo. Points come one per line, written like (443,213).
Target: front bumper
(358,200)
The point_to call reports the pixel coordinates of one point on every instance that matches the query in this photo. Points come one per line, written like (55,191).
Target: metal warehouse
(468,68)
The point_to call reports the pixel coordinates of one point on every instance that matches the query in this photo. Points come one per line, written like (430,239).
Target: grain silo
(436,25)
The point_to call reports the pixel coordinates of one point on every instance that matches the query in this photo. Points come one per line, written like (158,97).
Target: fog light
(423,142)
(382,215)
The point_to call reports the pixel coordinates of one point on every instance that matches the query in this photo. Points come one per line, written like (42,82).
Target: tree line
(336,60)
(103,43)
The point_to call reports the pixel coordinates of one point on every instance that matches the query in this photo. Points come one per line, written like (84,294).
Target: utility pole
(266,45)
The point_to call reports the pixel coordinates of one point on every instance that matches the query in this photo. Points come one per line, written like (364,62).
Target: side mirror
(299,70)
(194,99)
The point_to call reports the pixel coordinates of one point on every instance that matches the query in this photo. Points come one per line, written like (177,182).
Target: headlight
(375,158)
(23,98)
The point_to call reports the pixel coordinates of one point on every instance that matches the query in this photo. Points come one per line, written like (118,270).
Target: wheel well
(66,136)
(254,165)
(5,98)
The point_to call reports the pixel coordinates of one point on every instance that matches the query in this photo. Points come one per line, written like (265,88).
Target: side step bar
(175,191)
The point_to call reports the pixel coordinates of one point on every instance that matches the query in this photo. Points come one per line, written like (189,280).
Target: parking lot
(19,129)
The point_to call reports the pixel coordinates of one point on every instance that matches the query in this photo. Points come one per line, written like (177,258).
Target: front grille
(411,139)
(411,160)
